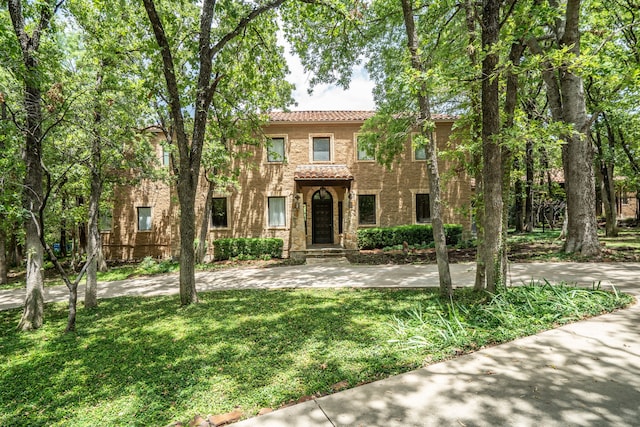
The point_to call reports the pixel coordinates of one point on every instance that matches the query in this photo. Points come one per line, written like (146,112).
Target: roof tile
(332,116)
(321,172)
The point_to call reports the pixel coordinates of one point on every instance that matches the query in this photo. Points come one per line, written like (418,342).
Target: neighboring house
(309,185)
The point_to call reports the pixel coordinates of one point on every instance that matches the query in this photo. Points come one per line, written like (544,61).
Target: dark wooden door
(322,217)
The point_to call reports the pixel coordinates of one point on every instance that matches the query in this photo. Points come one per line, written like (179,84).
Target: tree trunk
(4,279)
(577,153)
(491,151)
(94,241)
(187,185)
(511,99)
(518,202)
(32,316)
(472,33)
(609,183)
(82,232)
(63,226)
(431,149)
(201,250)
(480,282)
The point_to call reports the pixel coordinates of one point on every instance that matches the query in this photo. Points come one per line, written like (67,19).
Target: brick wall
(395,191)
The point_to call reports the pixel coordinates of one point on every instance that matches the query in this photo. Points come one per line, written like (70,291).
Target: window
(367,209)
(417,143)
(423,211)
(363,153)
(165,156)
(277,217)
(144,219)
(219,212)
(106,221)
(275,150)
(321,149)
(420,154)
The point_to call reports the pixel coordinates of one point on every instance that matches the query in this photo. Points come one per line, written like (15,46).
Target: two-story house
(308,184)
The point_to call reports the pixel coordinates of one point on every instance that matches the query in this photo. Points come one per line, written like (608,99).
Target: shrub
(247,248)
(377,238)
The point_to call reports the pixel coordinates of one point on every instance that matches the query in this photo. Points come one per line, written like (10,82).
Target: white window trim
(332,157)
(138,218)
(414,207)
(287,211)
(228,227)
(357,150)
(378,207)
(266,148)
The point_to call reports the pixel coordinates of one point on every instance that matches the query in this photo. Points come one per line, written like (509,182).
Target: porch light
(323,192)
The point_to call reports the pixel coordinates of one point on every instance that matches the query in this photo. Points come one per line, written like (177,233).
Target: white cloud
(328,97)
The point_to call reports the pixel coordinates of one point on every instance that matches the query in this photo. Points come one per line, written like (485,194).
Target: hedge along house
(308,185)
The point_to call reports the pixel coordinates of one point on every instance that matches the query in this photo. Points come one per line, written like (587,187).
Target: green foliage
(248,248)
(472,320)
(141,359)
(372,238)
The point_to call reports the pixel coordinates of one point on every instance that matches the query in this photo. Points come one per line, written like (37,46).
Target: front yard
(144,361)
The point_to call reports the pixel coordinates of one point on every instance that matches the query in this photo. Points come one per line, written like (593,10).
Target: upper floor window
(165,156)
(417,144)
(144,219)
(321,149)
(275,150)
(367,209)
(423,210)
(363,153)
(219,212)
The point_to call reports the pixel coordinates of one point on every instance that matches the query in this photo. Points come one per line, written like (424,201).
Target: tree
(34,134)
(491,149)
(565,92)
(427,129)
(195,86)
(114,105)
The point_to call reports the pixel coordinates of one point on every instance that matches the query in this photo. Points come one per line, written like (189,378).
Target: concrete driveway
(624,275)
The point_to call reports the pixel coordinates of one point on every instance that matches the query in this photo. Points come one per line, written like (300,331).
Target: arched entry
(322,217)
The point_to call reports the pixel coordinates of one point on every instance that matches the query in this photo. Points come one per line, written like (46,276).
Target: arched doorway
(322,217)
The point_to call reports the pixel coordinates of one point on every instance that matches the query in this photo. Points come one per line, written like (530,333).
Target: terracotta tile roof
(322,172)
(332,116)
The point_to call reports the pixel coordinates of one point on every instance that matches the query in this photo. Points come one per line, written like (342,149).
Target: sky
(329,97)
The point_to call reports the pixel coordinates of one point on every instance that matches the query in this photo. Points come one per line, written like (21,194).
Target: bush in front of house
(247,248)
(378,238)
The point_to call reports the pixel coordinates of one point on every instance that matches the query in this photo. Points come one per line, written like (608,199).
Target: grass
(144,361)
(546,246)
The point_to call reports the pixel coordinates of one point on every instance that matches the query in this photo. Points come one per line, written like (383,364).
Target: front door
(322,217)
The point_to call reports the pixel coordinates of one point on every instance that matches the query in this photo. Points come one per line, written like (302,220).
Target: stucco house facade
(308,184)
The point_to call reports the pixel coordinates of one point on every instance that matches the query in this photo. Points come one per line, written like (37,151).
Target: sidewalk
(583,374)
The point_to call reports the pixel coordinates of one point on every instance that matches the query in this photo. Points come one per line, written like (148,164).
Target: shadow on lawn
(568,376)
(137,361)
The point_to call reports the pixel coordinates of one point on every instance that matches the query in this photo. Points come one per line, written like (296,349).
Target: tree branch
(243,23)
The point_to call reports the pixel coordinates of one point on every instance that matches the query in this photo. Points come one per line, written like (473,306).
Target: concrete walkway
(583,374)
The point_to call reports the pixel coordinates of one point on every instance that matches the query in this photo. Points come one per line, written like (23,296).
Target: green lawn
(144,361)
